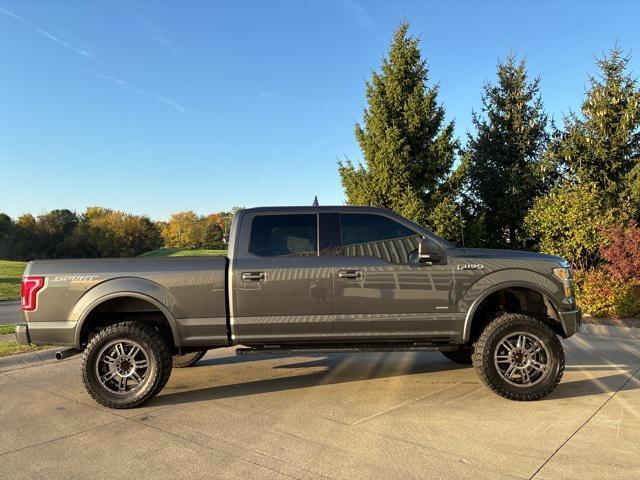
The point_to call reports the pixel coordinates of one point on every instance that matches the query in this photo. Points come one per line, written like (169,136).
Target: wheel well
(514,300)
(123,309)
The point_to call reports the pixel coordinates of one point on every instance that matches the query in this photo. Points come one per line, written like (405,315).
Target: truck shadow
(346,368)
(337,368)
(596,385)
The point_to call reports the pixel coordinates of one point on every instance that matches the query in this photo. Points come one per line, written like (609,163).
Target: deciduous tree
(569,222)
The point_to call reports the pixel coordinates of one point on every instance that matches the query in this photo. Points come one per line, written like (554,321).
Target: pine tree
(504,157)
(602,146)
(408,147)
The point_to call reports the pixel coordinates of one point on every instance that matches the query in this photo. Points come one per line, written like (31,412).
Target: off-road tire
(485,348)
(188,359)
(159,364)
(462,355)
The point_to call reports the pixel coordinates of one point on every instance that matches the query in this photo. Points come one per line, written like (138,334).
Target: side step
(297,349)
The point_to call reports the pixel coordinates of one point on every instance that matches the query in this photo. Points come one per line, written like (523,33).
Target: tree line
(101,232)
(518,180)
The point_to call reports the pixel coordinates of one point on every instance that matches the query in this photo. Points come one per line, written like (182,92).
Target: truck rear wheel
(126,364)
(188,359)
(519,357)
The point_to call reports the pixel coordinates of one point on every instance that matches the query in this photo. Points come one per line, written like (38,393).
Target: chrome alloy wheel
(522,359)
(122,366)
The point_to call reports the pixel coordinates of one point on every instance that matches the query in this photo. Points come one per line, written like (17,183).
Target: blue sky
(157,107)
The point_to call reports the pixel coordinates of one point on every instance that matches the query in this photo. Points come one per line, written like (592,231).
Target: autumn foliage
(622,252)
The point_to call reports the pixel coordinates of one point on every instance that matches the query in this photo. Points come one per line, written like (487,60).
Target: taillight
(28,292)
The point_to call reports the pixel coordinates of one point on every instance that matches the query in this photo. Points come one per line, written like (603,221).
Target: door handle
(253,276)
(350,274)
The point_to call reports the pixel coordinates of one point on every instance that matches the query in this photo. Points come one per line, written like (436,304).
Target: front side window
(376,236)
(284,235)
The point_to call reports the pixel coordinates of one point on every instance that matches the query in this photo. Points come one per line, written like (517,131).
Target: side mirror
(428,252)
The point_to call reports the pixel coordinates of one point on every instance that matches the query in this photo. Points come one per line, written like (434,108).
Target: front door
(282,285)
(382,292)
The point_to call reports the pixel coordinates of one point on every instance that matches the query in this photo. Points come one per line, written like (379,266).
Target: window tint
(284,235)
(376,236)
(363,228)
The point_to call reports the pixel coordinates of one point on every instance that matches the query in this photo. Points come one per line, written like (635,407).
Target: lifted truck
(306,279)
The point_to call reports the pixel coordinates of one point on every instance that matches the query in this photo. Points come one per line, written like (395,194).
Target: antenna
(460,210)
(461,223)
(315,202)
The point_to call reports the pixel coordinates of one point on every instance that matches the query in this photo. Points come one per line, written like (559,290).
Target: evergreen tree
(602,146)
(504,157)
(408,147)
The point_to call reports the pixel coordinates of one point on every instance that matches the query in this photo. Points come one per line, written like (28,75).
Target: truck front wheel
(519,357)
(126,364)
(188,359)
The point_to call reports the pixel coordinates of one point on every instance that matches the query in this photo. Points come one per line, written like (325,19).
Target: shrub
(568,222)
(622,252)
(602,295)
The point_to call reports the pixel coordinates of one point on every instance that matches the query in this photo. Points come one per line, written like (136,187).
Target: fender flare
(466,333)
(116,289)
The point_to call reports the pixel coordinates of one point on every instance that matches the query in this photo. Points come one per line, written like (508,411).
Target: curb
(28,359)
(628,333)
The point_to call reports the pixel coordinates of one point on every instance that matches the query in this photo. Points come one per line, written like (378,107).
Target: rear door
(381,291)
(282,284)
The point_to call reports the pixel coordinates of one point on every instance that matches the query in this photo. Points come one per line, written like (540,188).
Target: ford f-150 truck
(302,280)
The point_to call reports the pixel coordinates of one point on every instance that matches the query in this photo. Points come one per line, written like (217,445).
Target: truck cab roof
(319,209)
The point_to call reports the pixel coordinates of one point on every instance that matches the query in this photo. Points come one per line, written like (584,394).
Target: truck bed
(190,291)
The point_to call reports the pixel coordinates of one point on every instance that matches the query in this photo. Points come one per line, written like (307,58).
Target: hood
(503,254)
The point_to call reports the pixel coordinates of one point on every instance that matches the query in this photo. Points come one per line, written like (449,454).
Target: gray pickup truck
(306,280)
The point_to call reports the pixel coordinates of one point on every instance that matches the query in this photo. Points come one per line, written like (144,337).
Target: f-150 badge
(470,266)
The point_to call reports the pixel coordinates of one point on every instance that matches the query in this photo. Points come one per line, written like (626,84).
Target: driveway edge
(629,333)
(28,359)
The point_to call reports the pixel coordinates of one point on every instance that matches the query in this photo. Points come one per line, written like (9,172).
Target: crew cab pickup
(306,279)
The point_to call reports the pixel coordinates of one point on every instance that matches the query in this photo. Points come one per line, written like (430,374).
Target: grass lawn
(10,277)
(13,347)
(7,329)
(182,252)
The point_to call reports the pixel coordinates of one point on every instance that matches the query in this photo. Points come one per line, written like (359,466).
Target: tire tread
(483,362)
(132,330)
(192,358)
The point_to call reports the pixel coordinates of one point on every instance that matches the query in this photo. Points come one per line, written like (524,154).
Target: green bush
(568,222)
(601,295)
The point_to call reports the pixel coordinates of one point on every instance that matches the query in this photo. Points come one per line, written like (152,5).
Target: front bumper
(22,334)
(571,321)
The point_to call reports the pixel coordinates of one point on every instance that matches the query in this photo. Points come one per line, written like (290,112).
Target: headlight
(565,274)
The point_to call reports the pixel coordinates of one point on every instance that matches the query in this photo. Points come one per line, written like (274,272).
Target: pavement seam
(229,387)
(51,440)
(239,457)
(400,405)
(237,445)
(631,377)
(139,422)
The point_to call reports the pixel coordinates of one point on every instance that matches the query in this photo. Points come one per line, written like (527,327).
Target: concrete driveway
(387,415)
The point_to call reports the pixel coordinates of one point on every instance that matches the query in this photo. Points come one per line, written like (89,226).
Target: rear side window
(376,236)
(284,235)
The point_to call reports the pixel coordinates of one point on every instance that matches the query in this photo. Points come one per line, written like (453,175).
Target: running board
(342,348)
